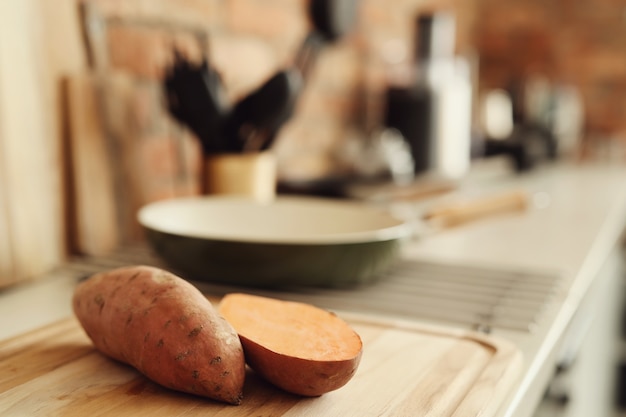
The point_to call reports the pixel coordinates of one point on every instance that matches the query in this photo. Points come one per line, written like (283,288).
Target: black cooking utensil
(333,18)
(194,97)
(257,118)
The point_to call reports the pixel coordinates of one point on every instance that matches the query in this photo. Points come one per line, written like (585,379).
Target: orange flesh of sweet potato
(295,346)
(165,328)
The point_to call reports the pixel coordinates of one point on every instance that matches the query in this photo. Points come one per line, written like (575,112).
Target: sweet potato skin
(299,376)
(165,328)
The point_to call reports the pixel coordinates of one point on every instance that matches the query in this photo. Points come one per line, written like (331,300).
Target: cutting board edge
(491,341)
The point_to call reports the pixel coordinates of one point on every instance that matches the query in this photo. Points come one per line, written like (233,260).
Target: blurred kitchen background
(86,136)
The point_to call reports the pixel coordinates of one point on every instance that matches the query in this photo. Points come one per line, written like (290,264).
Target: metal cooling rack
(481,297)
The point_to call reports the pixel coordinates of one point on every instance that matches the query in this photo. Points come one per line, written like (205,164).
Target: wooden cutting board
(407,369)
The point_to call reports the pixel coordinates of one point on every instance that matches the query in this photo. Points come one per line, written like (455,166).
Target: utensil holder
(249,174)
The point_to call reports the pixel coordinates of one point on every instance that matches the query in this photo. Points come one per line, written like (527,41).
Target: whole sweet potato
(296,346)
(165,328)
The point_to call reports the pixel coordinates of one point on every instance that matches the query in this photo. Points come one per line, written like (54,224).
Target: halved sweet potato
(298,347)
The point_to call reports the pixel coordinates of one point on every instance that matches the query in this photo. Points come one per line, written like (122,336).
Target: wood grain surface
(407,369)
(94,217)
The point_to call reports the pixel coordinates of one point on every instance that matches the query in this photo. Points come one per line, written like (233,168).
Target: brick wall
(576,42)
(248,40)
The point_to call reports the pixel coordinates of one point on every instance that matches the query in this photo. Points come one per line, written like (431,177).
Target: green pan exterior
(274,265)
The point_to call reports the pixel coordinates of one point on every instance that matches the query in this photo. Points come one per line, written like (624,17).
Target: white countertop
(576,220)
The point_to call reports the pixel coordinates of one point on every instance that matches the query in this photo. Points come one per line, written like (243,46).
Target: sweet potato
(295,346)
(165,328)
